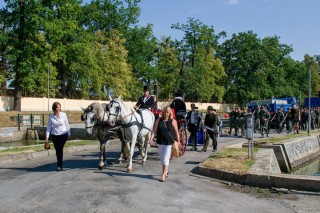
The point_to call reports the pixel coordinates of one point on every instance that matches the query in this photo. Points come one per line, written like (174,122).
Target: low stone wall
(300,150)
(264,173)
(12,134)
(280,156)
(265,163)
(78,132)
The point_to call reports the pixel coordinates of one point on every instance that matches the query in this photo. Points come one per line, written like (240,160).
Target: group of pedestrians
(293,120)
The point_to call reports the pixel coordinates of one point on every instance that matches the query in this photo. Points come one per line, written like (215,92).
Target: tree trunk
(62,74)
(3,67)
(21,46)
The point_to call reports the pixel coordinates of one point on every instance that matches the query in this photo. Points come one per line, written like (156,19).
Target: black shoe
(203,150)
(59,169)
(214,150)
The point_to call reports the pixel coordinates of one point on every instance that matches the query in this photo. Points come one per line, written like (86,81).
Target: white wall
(41,104)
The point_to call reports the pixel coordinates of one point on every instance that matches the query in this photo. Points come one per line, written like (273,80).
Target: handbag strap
(168,130)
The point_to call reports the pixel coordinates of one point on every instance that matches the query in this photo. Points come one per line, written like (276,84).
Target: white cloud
(234,2)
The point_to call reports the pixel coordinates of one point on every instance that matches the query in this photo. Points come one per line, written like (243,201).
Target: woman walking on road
(59,129)
(166,129)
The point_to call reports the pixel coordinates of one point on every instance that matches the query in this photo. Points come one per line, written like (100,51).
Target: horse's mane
(120,101)
(97,108)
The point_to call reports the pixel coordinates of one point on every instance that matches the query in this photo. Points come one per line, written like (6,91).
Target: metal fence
(30,120)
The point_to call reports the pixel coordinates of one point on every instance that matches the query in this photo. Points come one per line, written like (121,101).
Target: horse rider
(146,101)
(179,106)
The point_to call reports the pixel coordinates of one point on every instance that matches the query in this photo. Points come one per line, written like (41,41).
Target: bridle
(84,117)
(118,111)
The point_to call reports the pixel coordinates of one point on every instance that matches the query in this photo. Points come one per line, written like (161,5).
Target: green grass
(283,137)
(231,159)
(35,148)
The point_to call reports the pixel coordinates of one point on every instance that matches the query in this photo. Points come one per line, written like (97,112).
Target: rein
(95,124)
(130,123)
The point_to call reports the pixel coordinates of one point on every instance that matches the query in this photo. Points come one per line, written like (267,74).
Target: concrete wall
(12,134)
(42,104)
(300,150)
(265,163)
(6,103)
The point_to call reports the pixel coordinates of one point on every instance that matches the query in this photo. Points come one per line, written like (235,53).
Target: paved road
(34,186)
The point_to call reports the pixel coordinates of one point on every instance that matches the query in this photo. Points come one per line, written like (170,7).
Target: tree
(168,67)
(25,46)
(197,55)
(3,46)
(258,68)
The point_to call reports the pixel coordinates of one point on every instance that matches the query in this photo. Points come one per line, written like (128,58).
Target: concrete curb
(296,182)
(51,152)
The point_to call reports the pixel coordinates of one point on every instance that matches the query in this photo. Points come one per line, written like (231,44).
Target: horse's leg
(145,149)
(124,151)
(102,158)
(133,143)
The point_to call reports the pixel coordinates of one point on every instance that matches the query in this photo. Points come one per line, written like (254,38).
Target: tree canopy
(74,50)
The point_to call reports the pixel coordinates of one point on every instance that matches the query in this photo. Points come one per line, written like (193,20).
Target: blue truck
(273,104)
(314,102)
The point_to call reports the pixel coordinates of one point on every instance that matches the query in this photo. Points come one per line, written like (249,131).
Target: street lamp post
(309,101)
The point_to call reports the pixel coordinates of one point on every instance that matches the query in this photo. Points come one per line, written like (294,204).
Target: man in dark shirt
(146,101)
(295,116)
(264,121)
(210,126)
(179,106)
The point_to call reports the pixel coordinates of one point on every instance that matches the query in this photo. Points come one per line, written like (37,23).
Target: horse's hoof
(100,167)
(129,170)
(143,163)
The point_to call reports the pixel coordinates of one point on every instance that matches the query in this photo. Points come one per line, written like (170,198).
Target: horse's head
(114,109)
(89,119)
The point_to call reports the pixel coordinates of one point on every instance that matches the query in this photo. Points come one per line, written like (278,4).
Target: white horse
(133,125)
(95,118)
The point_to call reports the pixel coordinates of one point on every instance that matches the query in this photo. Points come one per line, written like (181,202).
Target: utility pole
(48,86)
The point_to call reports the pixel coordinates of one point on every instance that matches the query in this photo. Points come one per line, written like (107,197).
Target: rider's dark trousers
(59,141)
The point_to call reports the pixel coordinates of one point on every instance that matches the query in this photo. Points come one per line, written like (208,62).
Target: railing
(30,120)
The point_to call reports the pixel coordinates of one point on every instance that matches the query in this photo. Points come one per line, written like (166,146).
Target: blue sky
(294,21)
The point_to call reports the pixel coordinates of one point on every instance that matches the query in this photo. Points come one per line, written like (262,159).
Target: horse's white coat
(118,111)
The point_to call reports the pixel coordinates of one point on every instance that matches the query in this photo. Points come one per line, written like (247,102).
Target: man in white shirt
(193,122)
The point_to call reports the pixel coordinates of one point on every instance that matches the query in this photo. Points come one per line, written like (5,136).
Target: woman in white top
(59,129)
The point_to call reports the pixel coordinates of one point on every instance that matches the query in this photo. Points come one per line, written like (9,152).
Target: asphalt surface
(35,186)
